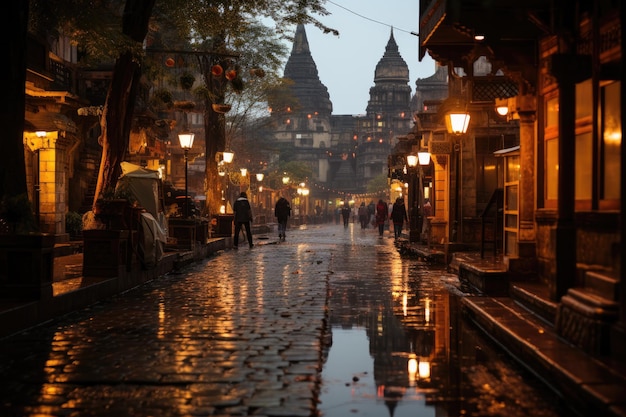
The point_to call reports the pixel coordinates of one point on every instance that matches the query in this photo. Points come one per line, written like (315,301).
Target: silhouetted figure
(363,216)
(345,212)
(282,211)
(243,217)
(398,217)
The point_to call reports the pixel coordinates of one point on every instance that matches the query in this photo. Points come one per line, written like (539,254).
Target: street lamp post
(416,193)
(414,220)
(423,159)
(186,142)
(303,193)
(244,174)
(259,178)
(457,122)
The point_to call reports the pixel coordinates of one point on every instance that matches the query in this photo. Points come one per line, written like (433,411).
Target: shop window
(552,169)
(584,102)
(606,169)
(611,142)
(551,151)
(584,157)
(552,112)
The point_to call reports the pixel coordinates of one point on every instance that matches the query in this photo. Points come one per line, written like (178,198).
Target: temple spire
(300,43)
(301,69)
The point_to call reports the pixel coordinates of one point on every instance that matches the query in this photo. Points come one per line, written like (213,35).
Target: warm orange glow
(424,158)
(457,123)
(186,140)
(228,157)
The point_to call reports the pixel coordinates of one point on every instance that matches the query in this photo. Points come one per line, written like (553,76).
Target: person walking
(282,211)
(371,208)
(398,217)
(382,212)
(427,211)
(243,218)
(345,212)
(363,216)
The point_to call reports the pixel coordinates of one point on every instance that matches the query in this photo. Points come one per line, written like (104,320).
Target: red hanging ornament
(231,74)
(217,70)
(170,62)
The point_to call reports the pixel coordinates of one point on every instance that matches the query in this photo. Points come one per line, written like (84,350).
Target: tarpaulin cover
(143,184)
(152,240)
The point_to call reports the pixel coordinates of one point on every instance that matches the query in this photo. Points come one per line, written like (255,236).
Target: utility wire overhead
(372,20)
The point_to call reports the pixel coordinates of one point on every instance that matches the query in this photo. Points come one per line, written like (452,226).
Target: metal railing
(492,216)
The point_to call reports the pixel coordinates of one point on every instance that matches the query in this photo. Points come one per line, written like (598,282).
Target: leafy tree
(378,185)
(104,30)
(230,33)
(297,172)
(117,29)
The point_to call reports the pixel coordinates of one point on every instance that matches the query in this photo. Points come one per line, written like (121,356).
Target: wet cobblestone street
(238,334)
(322,324)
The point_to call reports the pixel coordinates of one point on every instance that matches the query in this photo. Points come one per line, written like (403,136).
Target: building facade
(388,115)
(562,225)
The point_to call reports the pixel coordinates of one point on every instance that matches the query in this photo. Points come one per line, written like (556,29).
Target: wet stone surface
(329,323)
(237,334)
(401,347)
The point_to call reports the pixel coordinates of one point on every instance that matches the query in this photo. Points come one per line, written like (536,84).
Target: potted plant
(73,224)
(17,215)
(112,208)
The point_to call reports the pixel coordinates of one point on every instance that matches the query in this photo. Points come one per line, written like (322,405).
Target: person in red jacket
(382,212)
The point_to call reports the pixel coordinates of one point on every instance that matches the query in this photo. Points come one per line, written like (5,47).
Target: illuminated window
(611,141)
(607,167)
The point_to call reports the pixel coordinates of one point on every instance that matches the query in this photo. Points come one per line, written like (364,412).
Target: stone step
(534,297)
(603,284)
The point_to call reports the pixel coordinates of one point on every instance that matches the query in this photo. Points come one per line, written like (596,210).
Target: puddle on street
(399,347)
(351,388)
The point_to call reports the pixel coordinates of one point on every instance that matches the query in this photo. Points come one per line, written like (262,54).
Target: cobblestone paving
(235,335)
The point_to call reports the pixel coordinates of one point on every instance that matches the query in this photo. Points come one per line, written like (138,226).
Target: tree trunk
(215,142)
(116,121)
(12,112)
(215,133)
(118,110)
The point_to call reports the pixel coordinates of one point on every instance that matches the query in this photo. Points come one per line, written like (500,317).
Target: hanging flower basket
(186,81)
(184,105)
(221,108)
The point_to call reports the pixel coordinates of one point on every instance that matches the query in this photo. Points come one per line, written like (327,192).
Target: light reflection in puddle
(349,387)
(397,327)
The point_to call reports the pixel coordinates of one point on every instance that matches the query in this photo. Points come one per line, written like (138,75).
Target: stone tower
(388,115)
(304,125)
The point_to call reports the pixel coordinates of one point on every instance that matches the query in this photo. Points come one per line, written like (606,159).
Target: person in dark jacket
(345,213)
(243,218)
(398,216)
(363,216)
(282,211)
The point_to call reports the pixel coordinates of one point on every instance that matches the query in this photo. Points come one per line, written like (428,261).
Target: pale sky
(346,63)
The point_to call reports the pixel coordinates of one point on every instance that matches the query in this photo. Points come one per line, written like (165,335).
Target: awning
(48,122)
(507,151)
